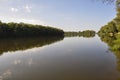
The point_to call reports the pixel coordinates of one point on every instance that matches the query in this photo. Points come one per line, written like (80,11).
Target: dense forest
(86,33)
(27,30)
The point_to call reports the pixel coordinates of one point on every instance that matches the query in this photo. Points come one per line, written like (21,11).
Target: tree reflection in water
(114,44)
(15,44)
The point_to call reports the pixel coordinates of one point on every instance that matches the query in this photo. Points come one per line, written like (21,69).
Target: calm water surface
(74,58)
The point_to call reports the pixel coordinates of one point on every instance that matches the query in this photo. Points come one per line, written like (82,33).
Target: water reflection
(14,44)
(74,58)
(114,45)
(6,75)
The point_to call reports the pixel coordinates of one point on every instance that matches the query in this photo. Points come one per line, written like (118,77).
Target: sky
(69,15)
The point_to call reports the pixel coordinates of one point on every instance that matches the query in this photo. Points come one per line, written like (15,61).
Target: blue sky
(69,15)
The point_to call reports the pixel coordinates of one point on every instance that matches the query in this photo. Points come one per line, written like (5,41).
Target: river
(69,58)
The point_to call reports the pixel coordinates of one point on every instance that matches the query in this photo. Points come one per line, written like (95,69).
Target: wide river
(69,58)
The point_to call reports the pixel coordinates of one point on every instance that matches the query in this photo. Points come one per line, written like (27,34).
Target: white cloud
(30,62)
(17,62)
(14,9)
(7,74)
(27,8)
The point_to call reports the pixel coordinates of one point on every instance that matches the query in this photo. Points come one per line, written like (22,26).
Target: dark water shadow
(15,44)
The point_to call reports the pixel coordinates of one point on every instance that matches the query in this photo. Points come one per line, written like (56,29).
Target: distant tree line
(27,30)
(86,33)
(70,34)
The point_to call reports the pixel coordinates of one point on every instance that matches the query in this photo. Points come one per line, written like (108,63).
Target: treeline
(112,27)
(86,33)
(27,30)
(71,34)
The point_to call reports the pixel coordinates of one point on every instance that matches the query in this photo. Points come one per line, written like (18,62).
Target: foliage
(87,33)
(109,29)
(116,45)
(27,30)
(112,27)
(71,34)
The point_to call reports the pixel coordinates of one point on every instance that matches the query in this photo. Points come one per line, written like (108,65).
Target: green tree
(27,30)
